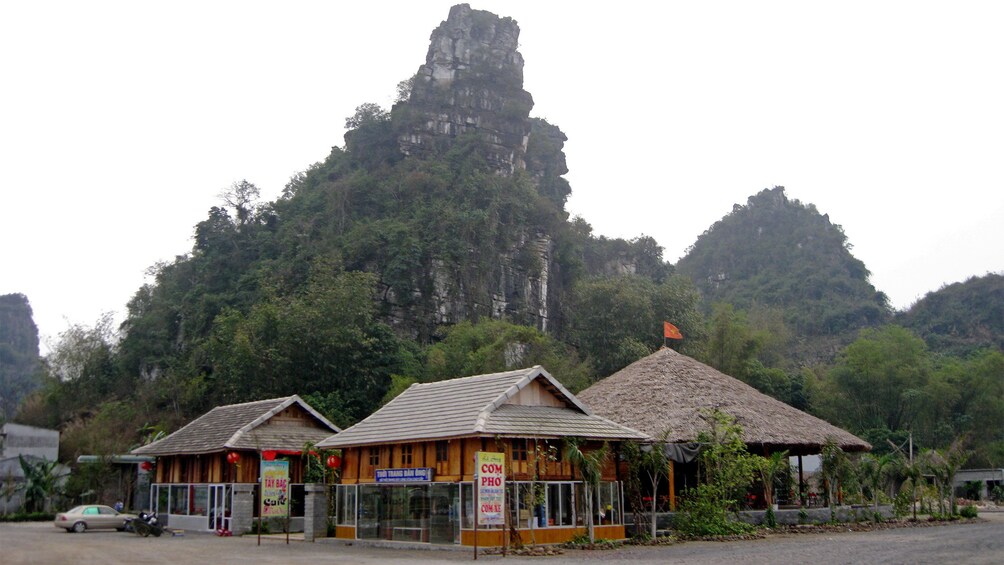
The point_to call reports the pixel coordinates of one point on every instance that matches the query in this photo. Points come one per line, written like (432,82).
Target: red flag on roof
(671,331)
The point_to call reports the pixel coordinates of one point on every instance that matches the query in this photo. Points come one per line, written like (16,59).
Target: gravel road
(980,542)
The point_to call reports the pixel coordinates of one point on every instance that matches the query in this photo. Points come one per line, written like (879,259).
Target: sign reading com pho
(491,488)
(274,488)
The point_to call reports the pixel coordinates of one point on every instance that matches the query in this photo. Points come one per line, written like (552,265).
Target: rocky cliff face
(471,86)
(471,83)
(18,352)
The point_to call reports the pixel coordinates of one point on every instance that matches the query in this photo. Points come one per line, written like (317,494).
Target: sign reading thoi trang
(490,469)
(419,475)
(274,488)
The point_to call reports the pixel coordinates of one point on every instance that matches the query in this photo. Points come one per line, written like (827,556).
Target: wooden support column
(801,482)
(672,487)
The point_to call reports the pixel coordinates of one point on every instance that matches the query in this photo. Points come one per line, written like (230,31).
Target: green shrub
(968,511)
(902,503)
(702,515)
(28,517)
(769,519)
(997,494)
(973,489)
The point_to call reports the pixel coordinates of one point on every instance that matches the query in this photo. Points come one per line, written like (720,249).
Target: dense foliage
(960,318)
(616,321)
(727,471)
(887,384)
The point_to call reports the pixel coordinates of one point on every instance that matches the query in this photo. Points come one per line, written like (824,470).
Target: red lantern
(334,462)
(233,457)
(146,465)
(268,455)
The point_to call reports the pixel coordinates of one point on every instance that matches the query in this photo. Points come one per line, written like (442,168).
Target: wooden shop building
(206,473)
(408,469)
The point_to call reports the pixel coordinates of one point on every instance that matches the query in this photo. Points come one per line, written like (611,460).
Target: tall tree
(491,346)
(616,321)
(326,338)
(878,381)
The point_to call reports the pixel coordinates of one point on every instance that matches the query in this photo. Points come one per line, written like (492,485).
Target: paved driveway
(981,542)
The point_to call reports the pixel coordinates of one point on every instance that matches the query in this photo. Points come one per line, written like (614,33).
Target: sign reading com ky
(491,488)
(274,488)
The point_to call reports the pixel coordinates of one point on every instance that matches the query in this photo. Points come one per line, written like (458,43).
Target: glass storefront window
(371,507)
(395,512)
(199,500)
(519,500)
(179,499)
(559,504)
(345,509)
(435,513)
(161,502)
(467,501)
(608,503)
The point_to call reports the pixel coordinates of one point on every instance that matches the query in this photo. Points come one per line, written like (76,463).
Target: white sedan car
(91,517)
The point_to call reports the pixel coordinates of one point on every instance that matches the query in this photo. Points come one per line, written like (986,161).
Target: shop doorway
(219,507)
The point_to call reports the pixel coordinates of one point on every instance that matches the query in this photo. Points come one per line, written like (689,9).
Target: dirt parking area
(978,543)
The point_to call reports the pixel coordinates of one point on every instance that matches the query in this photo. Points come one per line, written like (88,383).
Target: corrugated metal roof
(475,406)
(239,426)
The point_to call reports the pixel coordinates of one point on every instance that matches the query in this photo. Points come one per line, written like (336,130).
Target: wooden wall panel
(486,538)
(350,464)
(493,538)
(457,457)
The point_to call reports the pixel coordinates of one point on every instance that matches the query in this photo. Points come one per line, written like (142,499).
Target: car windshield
(75,510)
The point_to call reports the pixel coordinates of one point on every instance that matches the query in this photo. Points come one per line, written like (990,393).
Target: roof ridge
(471,377)
(482,418)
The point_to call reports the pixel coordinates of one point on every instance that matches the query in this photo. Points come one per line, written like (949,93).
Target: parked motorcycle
(145,524)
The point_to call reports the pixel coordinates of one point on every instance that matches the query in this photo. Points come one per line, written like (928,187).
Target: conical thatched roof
(670,392)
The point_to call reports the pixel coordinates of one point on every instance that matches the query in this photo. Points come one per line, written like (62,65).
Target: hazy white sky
(121,122)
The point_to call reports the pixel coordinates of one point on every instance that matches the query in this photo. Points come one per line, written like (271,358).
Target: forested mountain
(435,244)
(960,318)
(447,210)
(18,352)
(781,254)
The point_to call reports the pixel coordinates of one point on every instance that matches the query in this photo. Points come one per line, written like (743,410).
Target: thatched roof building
(668,392)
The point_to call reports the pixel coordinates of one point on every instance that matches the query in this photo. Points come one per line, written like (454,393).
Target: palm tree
(832,460)
(769,469)
(914,471)
(590,466)
(873,470)
(943,465)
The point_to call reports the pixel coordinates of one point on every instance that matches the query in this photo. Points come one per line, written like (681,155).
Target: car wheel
(79,527)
